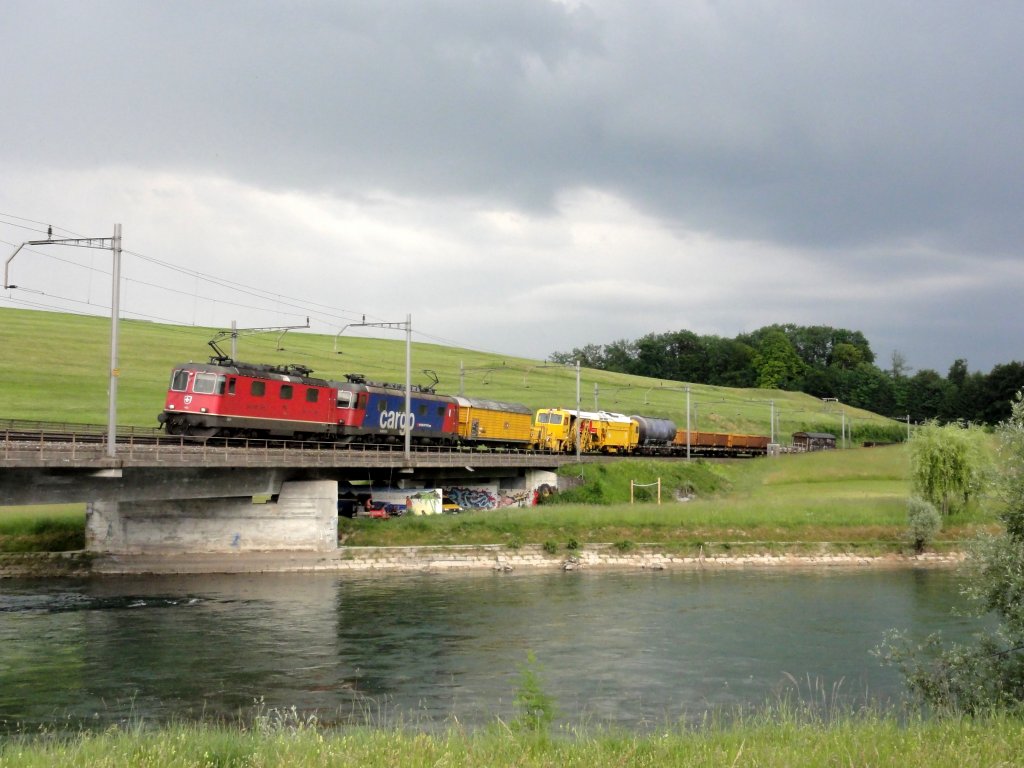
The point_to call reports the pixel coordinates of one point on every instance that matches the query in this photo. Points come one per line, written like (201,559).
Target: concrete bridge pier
(304,516)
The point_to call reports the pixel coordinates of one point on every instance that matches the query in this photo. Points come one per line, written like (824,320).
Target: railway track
(49,433)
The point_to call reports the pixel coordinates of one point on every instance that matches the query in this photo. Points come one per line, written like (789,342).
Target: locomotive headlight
(170,407)
(202,410)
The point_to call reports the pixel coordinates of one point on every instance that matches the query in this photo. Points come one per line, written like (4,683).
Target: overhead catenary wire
(289,306)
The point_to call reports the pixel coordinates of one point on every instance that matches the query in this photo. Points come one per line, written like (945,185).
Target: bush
(923,522)
(550,547)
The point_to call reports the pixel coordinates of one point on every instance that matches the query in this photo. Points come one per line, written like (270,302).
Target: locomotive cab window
(422,409)
(231,385)
(208,384)
(286,391)
(257,388)
(440,411)
(312,395)
(542,418)
(345,398)
(179,381)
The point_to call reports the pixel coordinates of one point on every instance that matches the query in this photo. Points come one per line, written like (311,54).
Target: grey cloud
(802,123)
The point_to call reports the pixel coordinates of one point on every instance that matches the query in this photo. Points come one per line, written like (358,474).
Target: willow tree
(947,464)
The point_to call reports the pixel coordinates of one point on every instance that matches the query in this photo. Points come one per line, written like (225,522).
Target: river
(624,649)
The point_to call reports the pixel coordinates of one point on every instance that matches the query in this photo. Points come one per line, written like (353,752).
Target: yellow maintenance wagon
(556,429)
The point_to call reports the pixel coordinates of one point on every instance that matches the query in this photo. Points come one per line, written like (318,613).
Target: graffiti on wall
(472,498)
(484,498)
(516,499)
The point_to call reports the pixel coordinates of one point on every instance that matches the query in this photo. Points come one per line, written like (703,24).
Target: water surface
(624,649)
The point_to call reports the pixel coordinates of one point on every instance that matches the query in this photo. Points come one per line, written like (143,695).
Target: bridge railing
(13,427)
(74,449)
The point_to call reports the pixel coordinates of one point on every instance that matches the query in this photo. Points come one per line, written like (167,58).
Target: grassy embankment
(849,500)
(768,740)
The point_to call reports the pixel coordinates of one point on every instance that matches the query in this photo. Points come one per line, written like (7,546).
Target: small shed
(814,441)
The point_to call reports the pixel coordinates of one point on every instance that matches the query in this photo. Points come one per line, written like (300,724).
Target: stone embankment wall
(527,558)
(480,559)
(599,556)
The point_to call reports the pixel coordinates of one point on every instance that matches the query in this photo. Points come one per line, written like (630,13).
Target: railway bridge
(160,495)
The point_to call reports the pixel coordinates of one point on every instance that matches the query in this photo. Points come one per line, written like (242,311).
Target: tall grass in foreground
(784,738)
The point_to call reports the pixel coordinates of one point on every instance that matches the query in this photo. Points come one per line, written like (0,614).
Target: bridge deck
(50,452)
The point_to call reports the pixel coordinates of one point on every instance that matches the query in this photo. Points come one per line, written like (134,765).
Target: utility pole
(112,244)
(407,327)
(688,424)
(579,416)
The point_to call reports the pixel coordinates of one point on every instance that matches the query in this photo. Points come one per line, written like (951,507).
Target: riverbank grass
(761,740)
(43,528)
(853,497)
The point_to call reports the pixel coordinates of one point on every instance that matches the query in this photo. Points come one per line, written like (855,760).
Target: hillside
(54,367)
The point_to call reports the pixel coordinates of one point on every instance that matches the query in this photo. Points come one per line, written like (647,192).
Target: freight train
(225,398)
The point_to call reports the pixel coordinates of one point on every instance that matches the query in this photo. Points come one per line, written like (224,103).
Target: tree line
(819,360)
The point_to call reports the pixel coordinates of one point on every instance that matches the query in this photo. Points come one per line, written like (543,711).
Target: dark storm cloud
(812,123)
(879,141)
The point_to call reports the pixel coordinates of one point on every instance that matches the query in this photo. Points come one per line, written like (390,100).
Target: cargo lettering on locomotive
(397,420)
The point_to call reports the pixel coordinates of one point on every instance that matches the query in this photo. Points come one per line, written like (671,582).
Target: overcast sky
(525,176)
